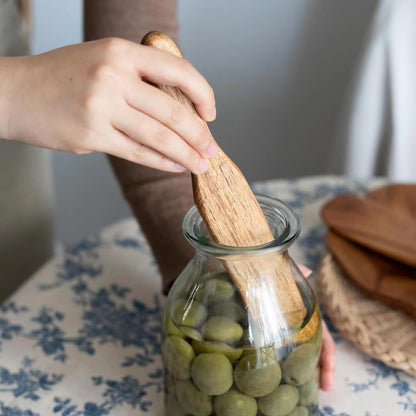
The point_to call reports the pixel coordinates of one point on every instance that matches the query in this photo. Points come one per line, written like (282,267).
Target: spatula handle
(164,43)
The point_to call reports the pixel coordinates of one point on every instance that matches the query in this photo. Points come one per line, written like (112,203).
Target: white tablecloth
(81,337)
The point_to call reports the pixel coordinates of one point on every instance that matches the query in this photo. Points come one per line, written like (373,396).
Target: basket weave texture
(379,330)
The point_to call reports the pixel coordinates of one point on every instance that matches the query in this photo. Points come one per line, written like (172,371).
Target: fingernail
(212,149)
(203,166)
(212,115)
(329,386)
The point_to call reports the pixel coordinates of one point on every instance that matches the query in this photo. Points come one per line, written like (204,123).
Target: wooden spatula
(373,224)
(234,217)
(380,277)
(399,197)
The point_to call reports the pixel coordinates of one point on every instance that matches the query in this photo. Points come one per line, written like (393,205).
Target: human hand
(96,96)
(327,354)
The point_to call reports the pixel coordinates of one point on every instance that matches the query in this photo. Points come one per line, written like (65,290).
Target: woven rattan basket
(377,329)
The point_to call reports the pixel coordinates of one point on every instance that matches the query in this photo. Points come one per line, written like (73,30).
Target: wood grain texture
(373,237)
(380,277)
(309,330)
(400,197)
(234,217)
(374,224)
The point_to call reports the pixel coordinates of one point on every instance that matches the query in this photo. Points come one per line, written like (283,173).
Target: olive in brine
(220,328)
(177,357)
(229,309)
(299,411)
(280,402)
(256,375)
(231,353)
(212,373)
(308,393)
(215,289)
(234,403)
(193,400)
(189,313)
(300,364)
(189,332)
(173,329)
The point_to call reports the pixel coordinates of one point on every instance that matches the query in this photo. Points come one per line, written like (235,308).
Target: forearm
(10,76)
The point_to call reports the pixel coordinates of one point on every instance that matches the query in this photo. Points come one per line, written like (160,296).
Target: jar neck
(282,221)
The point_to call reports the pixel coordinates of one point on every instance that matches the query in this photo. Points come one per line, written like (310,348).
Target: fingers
(164,68)
(118,144)
(156,136)
(327,360)
(163,108)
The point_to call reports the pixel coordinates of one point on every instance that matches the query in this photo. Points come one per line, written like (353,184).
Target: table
(81,337)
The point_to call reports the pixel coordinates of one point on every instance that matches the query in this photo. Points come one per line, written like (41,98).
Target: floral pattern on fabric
(82,336)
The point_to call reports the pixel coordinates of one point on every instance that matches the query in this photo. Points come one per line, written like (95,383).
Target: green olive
(282,351)
(221,328)
(280,402)
(177,357)
(234,403)
(189,313)
(190,332)
(257,375)
(300,364)
(172,329)
(172,407)
(308,392)
(231,353)
(215,289)
(299,411)
(212,373)
(193,400)
(230,309)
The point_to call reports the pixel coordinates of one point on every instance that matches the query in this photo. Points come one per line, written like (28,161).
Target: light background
(280,70)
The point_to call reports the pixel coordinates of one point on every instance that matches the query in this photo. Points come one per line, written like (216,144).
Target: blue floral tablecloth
(81,337)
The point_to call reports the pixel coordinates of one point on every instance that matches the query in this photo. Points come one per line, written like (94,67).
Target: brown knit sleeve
(159,200)
(129,19)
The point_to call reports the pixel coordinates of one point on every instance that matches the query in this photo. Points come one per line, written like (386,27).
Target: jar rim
(192,223)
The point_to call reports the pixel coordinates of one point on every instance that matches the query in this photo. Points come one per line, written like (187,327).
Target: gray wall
(279,69)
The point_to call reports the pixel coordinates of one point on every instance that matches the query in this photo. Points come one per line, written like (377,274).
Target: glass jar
(221,355)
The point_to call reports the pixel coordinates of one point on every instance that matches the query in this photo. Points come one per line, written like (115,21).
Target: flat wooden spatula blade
(234,216)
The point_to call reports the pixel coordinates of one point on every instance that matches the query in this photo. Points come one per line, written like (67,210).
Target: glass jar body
(229,352)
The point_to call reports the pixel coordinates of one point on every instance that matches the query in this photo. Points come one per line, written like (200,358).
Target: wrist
(11,77)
